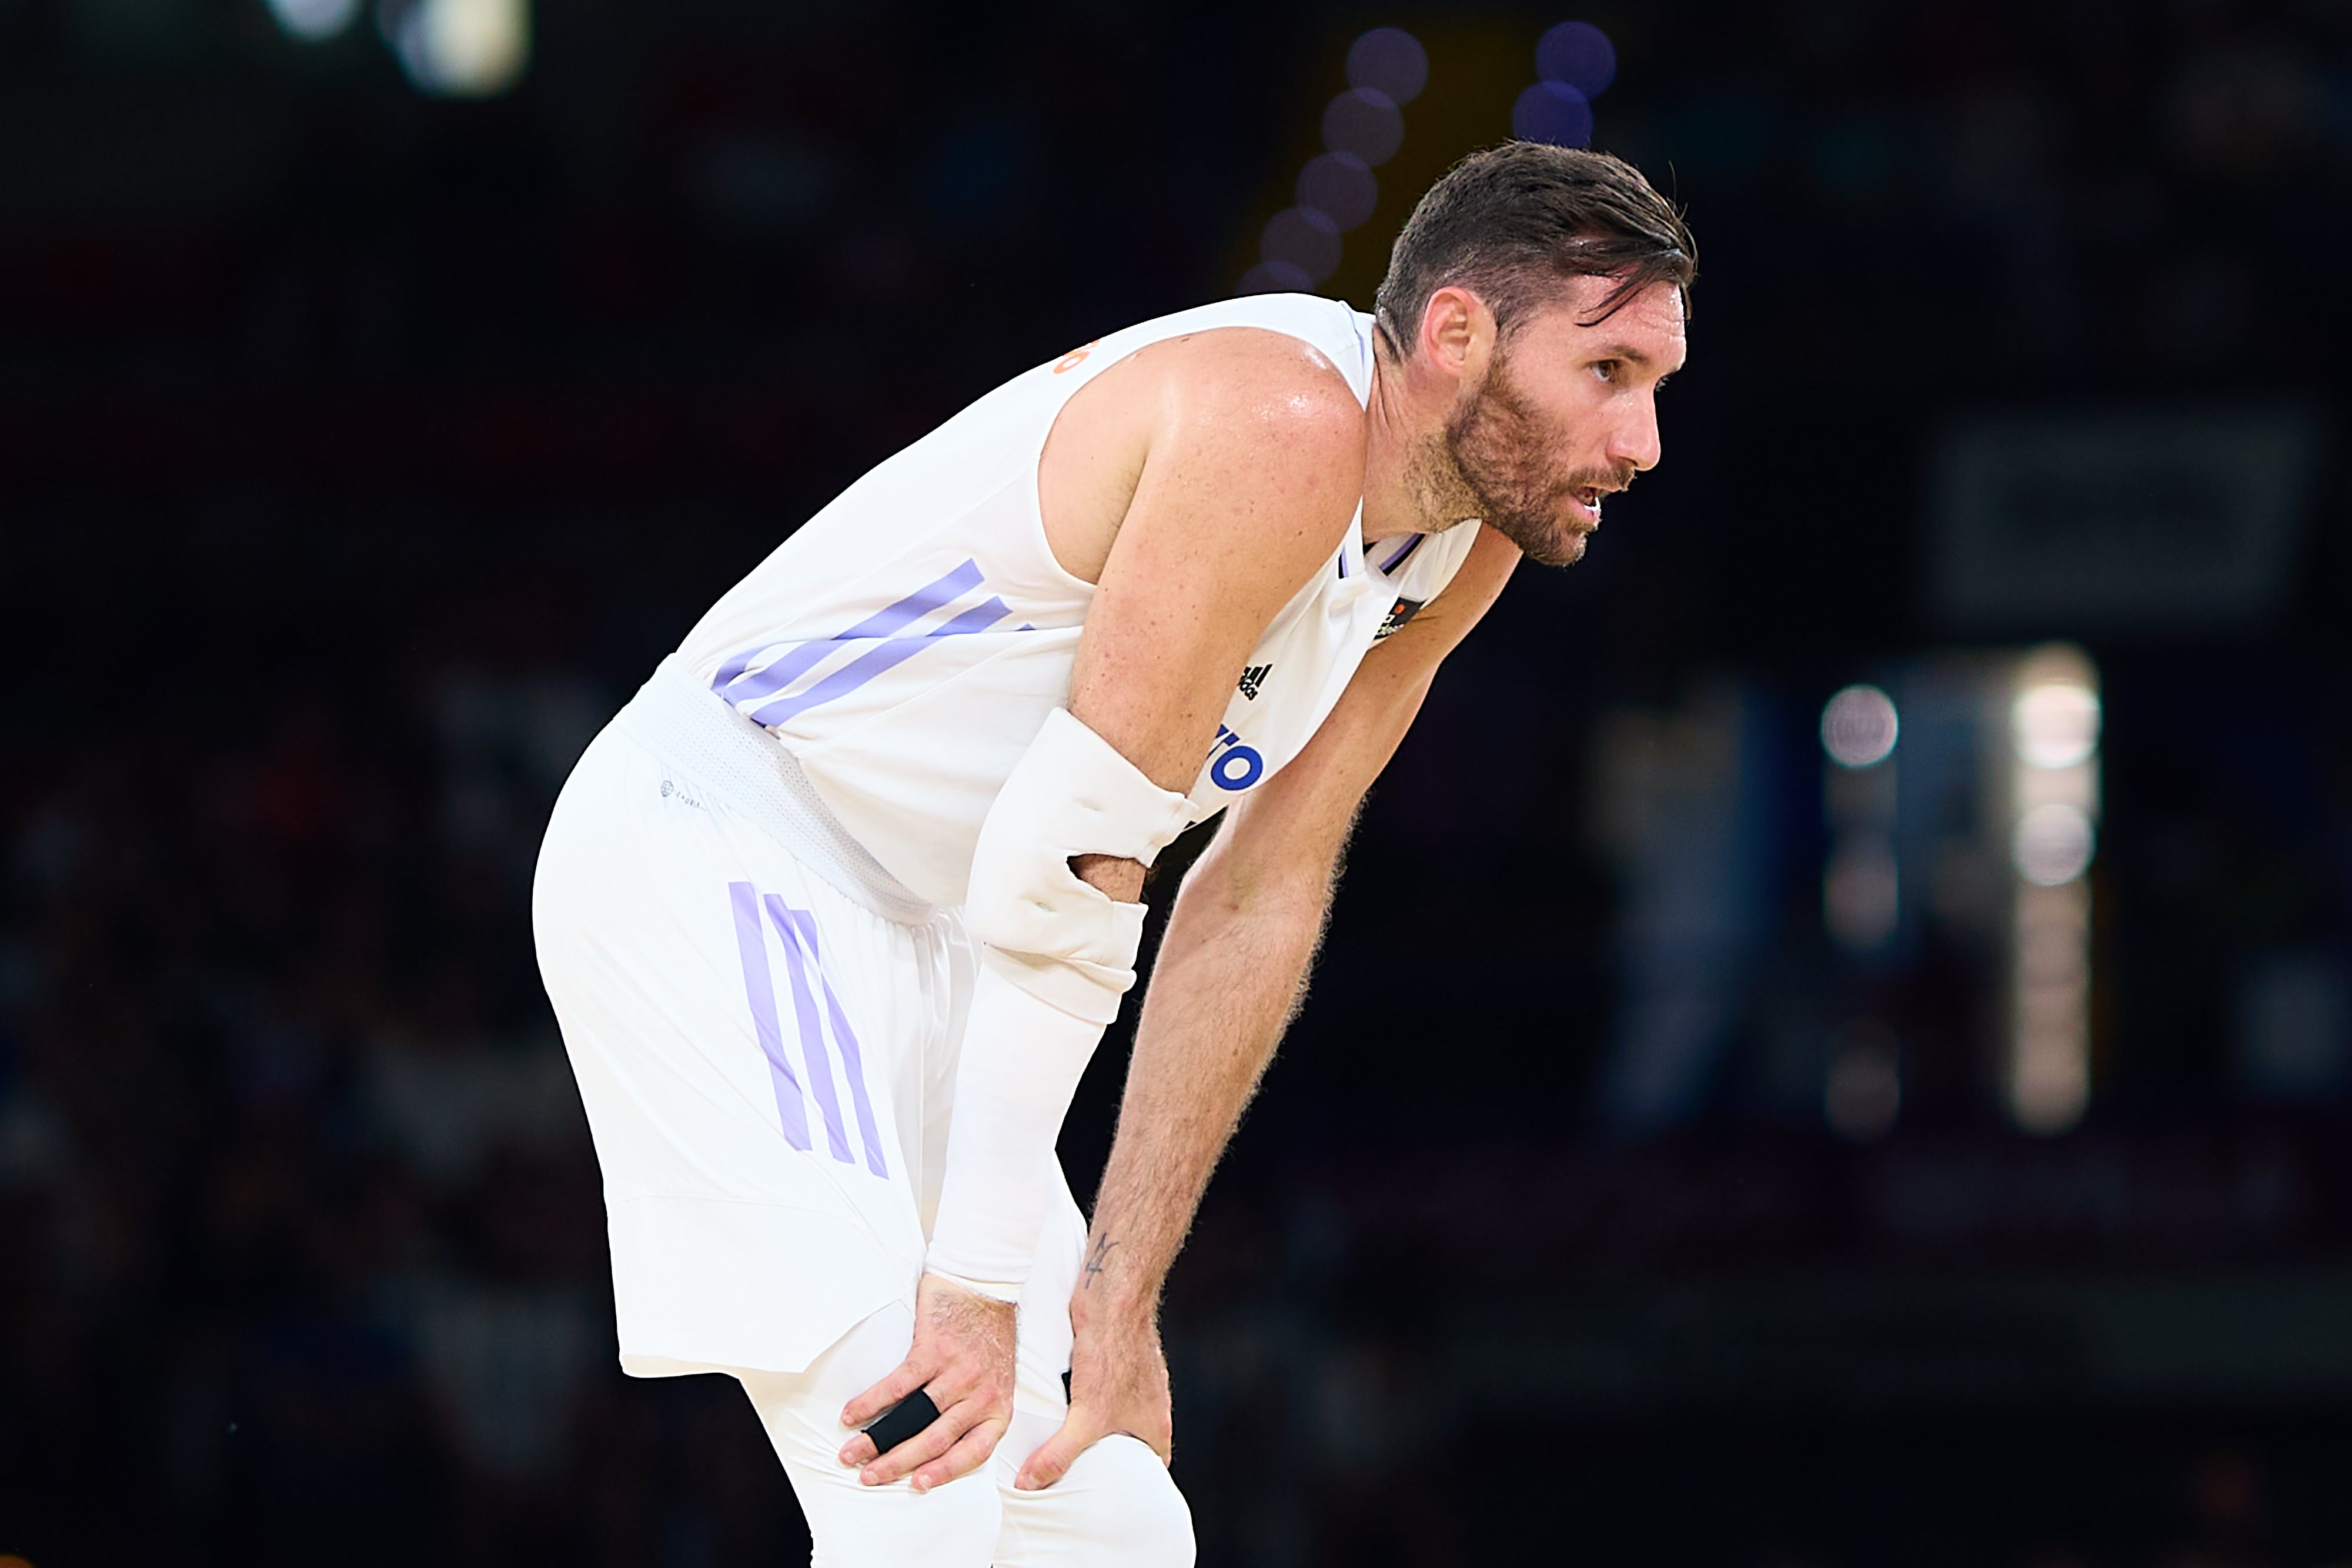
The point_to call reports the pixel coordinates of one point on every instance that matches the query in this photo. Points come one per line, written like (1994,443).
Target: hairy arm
(1201,481)
(1231,970)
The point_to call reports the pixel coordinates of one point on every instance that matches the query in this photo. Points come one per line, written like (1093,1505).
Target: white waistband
(678,718)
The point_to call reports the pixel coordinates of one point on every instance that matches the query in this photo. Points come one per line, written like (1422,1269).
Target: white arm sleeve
(1058,955)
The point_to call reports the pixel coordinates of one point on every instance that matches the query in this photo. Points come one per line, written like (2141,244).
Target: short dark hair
(1513,222)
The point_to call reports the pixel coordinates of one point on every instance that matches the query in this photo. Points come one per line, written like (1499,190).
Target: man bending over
(834,912)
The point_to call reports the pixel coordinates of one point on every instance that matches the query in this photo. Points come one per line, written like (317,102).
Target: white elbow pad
(1059,954)
(1071,794)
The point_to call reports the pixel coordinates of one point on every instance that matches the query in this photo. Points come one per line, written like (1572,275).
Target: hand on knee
(962,1357)
(1118,1382)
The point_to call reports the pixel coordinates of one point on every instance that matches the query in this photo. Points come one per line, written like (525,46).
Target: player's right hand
(962,1357)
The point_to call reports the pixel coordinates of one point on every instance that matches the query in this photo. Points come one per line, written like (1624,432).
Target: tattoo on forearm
(1095,1259)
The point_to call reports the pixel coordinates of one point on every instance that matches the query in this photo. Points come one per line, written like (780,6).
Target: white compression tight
(1118,1507)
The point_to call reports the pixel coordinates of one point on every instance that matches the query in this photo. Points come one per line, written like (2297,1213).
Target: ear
(1457,334)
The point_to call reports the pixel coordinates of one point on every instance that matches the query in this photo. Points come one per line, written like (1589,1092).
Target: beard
(1490,465)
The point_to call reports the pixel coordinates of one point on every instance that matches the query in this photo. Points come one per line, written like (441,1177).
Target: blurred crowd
(360,453)
(300,1215)
(303,1263)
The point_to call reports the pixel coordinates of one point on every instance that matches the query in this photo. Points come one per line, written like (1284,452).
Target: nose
(1636,439)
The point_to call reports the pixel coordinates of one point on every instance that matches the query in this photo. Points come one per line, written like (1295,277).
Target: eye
(1607,369)
(1661,382)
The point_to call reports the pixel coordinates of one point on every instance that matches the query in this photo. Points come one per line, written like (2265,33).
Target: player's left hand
(962,1357)
(1118,1382)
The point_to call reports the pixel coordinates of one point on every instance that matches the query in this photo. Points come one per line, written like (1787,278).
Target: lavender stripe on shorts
(759,989)
(820,1066)
(853,1060)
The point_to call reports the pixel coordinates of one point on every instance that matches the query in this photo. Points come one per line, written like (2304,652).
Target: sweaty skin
(1199,484)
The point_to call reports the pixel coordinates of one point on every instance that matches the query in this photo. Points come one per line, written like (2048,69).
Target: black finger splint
(902,1421)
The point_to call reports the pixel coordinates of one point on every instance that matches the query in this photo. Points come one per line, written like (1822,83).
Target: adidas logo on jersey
(1252,678)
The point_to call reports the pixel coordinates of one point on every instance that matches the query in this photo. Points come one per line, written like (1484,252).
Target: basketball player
(834,912)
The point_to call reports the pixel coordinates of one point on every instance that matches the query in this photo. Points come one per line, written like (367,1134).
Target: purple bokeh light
(1364,122)
(1305,238)
(1577,55)
(1339,186)
(1362,128)
(1554,112)
(1391,61)
(1276,278)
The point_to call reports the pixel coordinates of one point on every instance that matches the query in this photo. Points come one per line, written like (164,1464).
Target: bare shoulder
(1253,376)
(1233,418)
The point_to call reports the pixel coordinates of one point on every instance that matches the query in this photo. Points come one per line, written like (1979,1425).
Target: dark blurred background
(1836,1044)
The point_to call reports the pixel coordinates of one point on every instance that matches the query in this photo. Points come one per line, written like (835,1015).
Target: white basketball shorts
(766,1049)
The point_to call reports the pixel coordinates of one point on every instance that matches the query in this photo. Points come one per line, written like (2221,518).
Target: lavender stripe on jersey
(759,989)
(881,623)
(1398,559)
(820,1066)
(851,1060)
(785,669)
(865,667)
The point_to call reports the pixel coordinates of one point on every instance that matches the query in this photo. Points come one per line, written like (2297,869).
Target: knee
(1145,1520)
(951,1526)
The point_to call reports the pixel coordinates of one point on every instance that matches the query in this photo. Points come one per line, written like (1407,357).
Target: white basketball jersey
(905,643)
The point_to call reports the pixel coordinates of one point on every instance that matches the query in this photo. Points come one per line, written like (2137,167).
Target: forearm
(1230,972)
(1057,956)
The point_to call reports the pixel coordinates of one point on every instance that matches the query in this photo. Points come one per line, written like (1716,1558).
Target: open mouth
(1586,498)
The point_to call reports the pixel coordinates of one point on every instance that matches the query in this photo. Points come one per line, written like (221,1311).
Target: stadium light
(314,21)
(462,48)
(2054,797)
(1362,128)
(1575,63)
